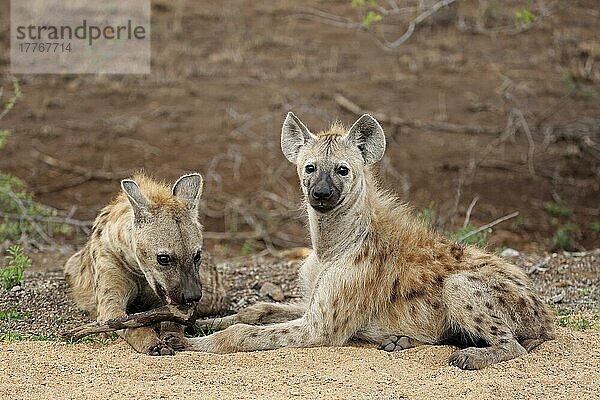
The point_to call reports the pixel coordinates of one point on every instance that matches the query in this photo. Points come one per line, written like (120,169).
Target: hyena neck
(121,241)
(342,230)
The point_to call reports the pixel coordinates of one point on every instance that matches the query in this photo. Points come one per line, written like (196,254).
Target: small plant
(428,215)
(204,330)
(247,247)
(12,315)
(465,235)
(563,238)
(595,226)
(579,321)
(524,18)
(370,17)
(577,89)
(11,274)
(557,210)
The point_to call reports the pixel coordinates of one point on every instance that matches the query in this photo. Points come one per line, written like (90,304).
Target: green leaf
(371,17)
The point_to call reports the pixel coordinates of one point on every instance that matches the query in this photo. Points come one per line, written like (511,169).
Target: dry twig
(487,226)
(354,108)
(179,314)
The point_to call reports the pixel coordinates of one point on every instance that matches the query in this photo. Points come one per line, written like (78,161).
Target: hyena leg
(257,314)
(330,320)
(473,309)
(172,333)
(112,295)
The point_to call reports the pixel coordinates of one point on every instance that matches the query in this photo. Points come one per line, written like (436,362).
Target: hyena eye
(343,170)
(198,257)
(310,168)
(163,259)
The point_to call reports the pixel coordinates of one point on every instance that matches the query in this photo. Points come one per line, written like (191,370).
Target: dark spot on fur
(469,307)
(473,278)
(413,294)
(483,265)
(436,305)
(501,301)
(284,331)
(478,293)
(522,302)
(493,329)
(334,316)
(488,305)
(457,251)
(504,341)
(478,320)
(413,309)
(500,287)
(394,292)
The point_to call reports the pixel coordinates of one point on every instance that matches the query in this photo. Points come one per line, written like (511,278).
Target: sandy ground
(566,368)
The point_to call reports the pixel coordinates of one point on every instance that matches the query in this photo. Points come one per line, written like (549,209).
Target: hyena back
(145,250)
(379,275)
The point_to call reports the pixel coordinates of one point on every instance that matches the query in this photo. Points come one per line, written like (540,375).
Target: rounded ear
(368,136)
(294,135)
(189,188)
(138,201)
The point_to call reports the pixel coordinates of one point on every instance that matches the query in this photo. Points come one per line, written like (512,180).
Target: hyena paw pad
(397,343)
(161,349)
(469,358)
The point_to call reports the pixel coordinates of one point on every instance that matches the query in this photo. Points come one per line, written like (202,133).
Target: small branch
(51,220)
(415,22)
(25,216)
(233,235)
(181,315)
(354,108)
(487,226)
(469,210)
(75,169)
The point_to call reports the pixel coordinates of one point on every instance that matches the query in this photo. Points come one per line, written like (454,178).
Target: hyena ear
(138,201)
(368,136)
(189,188)
(294,135)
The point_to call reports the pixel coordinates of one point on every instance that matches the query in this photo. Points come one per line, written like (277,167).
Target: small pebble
(509,253)
(272,290)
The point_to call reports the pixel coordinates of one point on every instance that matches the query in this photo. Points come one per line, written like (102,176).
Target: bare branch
(354,108)
(487,226)
(179,314)
(469,210)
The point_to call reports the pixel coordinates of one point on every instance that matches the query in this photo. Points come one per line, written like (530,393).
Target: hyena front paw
(469,358)
(397,343)
(175,341)
(161,349)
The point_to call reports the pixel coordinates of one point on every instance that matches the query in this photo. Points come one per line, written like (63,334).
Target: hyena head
(167,238)
(332,164)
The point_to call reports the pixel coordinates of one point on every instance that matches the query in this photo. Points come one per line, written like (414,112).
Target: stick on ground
(354,108)
(179,314)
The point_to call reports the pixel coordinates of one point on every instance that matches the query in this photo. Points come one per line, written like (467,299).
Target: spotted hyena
(377,274)
(145,251)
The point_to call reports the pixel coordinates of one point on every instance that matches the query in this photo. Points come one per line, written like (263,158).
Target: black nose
(322,193)
(190,298)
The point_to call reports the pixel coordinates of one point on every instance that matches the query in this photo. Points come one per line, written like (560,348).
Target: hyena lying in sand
(376,274)
(145,250)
